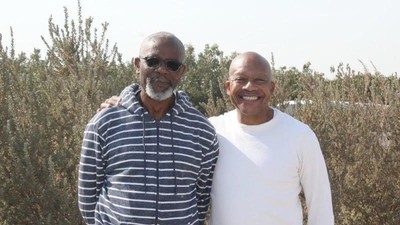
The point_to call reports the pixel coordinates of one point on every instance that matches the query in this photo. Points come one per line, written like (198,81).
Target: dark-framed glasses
(154,62)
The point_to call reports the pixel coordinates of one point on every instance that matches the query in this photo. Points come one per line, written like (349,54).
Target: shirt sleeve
(204,181)
(91,173)
(315,182)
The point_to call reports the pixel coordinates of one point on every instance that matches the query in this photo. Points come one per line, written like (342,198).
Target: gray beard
(158,96)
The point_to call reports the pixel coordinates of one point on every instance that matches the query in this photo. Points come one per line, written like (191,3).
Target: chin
(250,111)
(159,95)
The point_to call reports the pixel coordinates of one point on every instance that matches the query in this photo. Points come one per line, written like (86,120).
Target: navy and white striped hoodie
(136,170)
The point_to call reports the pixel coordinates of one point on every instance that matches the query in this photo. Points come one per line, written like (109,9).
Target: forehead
(163,48)
(249,71)
(250,65)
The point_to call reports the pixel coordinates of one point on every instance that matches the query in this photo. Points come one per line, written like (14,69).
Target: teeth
(250,98)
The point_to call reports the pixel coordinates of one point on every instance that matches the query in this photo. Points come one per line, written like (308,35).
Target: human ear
(136,62)
(228,87)
(184,69)
(272,89)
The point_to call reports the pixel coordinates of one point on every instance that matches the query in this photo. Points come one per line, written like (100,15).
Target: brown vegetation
(45,104)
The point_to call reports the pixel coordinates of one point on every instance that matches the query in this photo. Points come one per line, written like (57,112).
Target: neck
(257,119)
(157,109)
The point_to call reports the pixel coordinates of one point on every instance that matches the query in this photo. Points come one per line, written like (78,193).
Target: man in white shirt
(266,157)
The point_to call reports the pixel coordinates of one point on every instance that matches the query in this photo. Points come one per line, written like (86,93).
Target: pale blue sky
(323,32)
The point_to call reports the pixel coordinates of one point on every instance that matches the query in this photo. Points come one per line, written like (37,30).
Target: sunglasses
(155,62)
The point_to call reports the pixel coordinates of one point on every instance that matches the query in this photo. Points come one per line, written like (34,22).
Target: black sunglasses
(155,62)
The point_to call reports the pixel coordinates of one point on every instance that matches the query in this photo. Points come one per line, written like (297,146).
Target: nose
(162,68)
(249,85)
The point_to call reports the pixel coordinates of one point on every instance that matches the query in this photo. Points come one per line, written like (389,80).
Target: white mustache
(156,77)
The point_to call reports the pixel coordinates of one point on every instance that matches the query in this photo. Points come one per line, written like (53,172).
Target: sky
(322,32)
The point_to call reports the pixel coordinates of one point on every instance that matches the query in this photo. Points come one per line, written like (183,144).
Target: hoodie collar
(130,101)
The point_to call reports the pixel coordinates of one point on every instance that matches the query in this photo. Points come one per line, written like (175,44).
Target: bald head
(162,38)
(250,60)
(250,88)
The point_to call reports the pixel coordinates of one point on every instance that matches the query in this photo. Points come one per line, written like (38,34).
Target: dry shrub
(356,118)
(45,104)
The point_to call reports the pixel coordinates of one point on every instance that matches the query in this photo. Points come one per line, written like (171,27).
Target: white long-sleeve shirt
(262,169)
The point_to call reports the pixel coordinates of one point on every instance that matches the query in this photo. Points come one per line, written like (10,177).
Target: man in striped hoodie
(151,159)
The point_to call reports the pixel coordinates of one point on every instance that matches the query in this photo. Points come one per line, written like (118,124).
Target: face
(250,88)
(159,67)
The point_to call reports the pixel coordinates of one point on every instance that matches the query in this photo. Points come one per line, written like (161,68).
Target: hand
(110,102)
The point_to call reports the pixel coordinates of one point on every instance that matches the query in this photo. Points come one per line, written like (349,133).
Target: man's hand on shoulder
(110,102)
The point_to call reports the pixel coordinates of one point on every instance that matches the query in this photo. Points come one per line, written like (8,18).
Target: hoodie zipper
(157,171)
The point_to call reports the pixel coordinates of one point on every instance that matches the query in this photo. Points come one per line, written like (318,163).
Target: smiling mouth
(250,98)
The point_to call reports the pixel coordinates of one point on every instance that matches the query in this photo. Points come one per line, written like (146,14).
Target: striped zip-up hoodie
(136,170)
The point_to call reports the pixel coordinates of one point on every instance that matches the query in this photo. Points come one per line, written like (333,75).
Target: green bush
(47,101)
